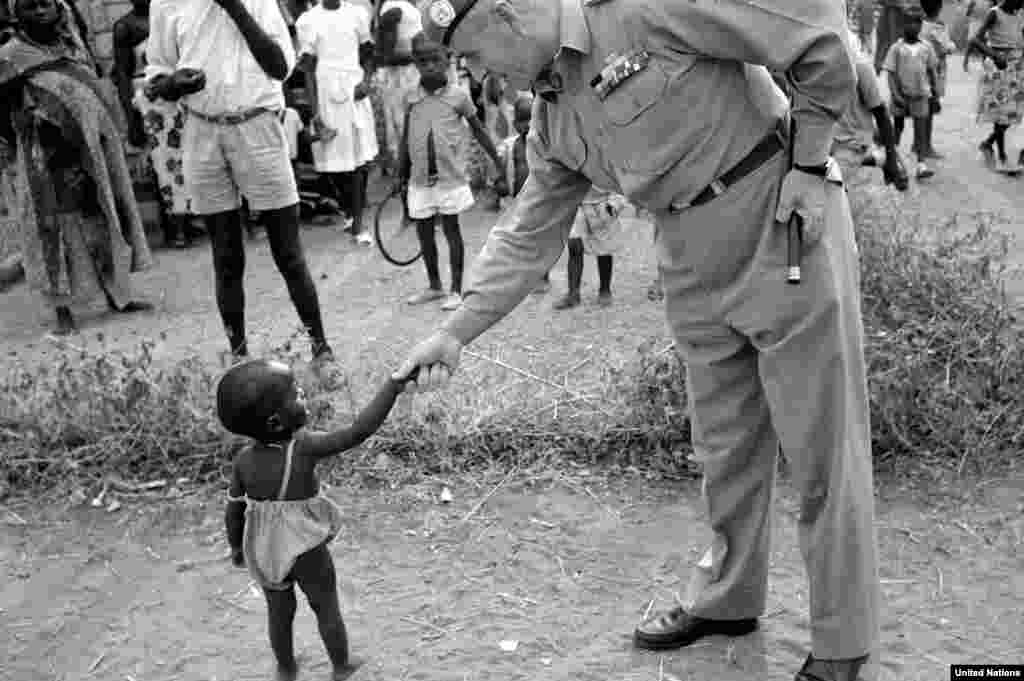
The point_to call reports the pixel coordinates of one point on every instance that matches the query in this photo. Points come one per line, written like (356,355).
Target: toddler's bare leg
(315,573)
(281,614)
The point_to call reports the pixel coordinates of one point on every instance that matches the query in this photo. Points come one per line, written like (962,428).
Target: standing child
(598,231)
(1000,89)
(334,39)
(866,114)
(976,11)
(910,65)
(513,157)
(278,524)
(433,164)
(935,34)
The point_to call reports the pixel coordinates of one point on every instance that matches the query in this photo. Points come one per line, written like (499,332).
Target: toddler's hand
(238,558)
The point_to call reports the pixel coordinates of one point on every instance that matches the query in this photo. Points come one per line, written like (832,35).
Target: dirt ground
(564,563)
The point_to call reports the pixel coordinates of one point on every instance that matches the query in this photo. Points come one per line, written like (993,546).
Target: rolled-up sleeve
(804,39)
(524,245)
(161,46)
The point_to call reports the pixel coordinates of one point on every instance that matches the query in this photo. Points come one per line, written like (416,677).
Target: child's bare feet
(346,672)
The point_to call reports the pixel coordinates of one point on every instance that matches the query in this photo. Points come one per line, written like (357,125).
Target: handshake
(174,86)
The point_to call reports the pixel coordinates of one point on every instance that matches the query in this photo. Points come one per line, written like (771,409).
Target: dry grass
(944,366)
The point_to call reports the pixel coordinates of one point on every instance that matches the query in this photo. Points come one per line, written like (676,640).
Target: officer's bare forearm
(268,53)
(884,124)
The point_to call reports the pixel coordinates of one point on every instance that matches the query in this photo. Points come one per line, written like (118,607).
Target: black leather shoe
(830,670)
(676,628)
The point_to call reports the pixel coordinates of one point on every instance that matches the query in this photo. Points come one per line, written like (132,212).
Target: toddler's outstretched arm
(366,424)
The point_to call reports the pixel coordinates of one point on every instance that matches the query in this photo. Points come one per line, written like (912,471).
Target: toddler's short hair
(250,393)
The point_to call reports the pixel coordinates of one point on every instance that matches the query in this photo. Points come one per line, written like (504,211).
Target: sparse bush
(944,362)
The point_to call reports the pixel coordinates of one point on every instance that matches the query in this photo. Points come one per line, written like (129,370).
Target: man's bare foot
(346,672)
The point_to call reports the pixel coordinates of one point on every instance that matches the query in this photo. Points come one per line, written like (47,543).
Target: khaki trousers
(770,363)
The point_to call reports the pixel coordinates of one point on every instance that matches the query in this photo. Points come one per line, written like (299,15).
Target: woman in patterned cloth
(1001,84)
(80,226)
(159,123)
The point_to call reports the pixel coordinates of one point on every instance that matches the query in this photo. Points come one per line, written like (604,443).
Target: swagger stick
(795,228)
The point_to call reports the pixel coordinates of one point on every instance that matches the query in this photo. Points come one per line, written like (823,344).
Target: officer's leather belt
(765,150)
(235,118)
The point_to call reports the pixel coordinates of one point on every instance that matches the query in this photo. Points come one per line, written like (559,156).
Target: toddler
(433,164)
(278,524)
(911,65)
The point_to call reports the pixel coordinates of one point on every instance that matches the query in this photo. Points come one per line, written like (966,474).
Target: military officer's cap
(442,17)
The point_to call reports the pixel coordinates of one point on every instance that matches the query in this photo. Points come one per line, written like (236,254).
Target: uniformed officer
(659,100)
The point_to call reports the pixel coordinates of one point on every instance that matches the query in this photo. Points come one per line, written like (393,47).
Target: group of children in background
(916,74)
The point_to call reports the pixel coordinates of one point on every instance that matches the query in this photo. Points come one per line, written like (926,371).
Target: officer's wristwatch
(820,170)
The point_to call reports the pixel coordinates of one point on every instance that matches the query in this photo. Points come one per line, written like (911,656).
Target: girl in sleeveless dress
(279,525)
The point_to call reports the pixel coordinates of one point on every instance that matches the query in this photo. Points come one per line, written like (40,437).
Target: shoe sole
(668,643)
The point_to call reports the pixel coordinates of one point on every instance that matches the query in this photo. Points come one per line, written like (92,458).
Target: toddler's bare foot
(346,672)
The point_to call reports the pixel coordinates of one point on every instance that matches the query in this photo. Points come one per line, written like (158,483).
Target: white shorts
(223,163)
(426,202)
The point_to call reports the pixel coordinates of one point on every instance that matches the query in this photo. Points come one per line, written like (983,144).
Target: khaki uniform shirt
(663,134)
(856,128)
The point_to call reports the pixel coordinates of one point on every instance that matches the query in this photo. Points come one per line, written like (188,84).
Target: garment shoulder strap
(287,470)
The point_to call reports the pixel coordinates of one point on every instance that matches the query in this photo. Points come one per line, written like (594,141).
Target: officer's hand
(894,173)
(804,194)
(437,359)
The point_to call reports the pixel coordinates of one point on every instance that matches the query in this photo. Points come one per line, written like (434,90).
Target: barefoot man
(664,101)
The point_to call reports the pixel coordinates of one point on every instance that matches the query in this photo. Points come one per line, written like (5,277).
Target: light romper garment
(278,531)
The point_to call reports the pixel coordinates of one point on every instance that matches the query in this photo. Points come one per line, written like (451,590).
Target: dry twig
(487,496)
